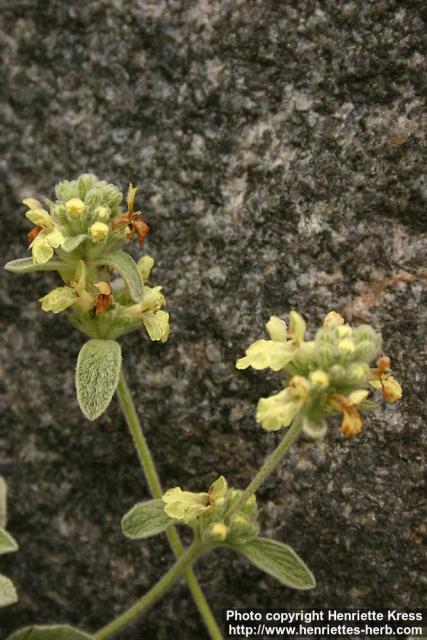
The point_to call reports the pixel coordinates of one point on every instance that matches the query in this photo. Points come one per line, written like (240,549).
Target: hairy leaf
(7,543)
(8,593)
(278,560)
(73,242)
(97,376)
(26,265)
(54,632)
(127,268)
(146,519)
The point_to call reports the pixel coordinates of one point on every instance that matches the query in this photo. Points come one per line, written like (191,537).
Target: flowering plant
(105,294)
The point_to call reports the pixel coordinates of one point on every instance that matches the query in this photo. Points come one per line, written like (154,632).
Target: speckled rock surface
(279,150)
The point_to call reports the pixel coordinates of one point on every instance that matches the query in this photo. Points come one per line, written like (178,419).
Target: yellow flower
(62,298)
(279,410)
(184,505)
(332,320)
(46,236)
(280,350)
(75,207)
(155,320)
(58,299)
(352,420)
(187,506)
(99,231)
(382,379)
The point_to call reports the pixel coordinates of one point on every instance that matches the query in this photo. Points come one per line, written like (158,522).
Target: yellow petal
(103,288)
(42,251)
(41,218)
(266,353)
(58,299)
(296,327)
(55,238)
(392,391)
(218,490)
(157,324)
(277,329)
(32,203)
(277,411)
(145,264)
(356,397)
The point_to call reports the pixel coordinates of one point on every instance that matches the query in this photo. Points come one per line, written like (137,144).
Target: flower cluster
(322,376)
(210,513)
(105,294)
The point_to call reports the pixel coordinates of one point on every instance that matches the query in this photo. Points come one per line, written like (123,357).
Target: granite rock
(279,151)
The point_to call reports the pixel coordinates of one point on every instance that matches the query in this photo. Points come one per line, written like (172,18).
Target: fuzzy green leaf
(3,502)
(8,593)
(26,265)
(73,242)
(146,519)
(97,376)
(278,560)
(54,632)
(7,543)
(126,266)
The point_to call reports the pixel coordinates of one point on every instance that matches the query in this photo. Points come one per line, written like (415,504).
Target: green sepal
(146,519)
(126,266)
(8,593)
(7,543)
(73,242)
(278,560)
(50,632)
(26,265)
(97,376)
(3,502)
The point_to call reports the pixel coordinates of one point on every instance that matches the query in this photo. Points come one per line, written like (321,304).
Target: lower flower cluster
(212,514)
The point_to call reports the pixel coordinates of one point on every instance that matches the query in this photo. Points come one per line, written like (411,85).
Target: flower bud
(332,320)
(218,531)
(99,231)
(75,207)
(102,213)
(346,346)
(319,379)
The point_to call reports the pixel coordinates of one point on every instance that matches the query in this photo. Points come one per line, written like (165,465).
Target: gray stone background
(279,151)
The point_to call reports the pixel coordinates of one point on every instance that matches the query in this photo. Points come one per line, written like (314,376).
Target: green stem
(151,597)
(269,465)
(156,491)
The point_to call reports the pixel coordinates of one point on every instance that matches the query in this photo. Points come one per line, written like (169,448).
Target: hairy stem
(156,491)
(143,604)
(269,465)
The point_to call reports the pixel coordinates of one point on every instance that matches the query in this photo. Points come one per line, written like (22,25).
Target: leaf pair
(147,519)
